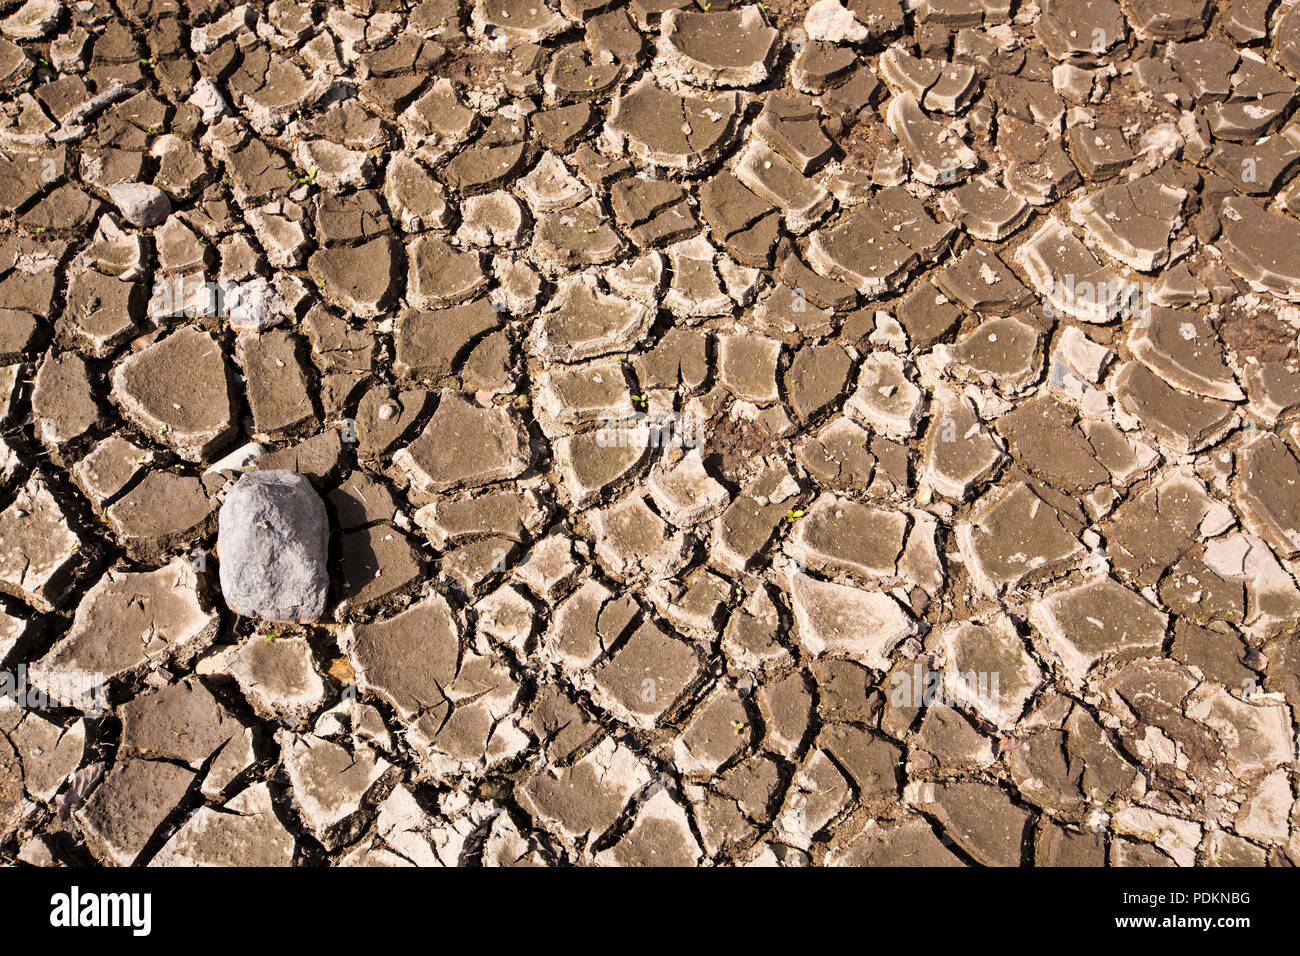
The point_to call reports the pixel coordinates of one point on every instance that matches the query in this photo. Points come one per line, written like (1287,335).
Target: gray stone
(272,539)
(141,204)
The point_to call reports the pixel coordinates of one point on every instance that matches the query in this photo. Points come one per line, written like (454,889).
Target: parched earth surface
(760,434)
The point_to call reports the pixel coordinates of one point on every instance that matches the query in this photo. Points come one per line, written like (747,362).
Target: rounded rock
(140,204)
(272,539)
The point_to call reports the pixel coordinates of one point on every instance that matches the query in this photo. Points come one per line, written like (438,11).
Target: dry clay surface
(764,435)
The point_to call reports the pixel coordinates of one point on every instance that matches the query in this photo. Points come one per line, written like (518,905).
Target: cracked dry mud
(689,389)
